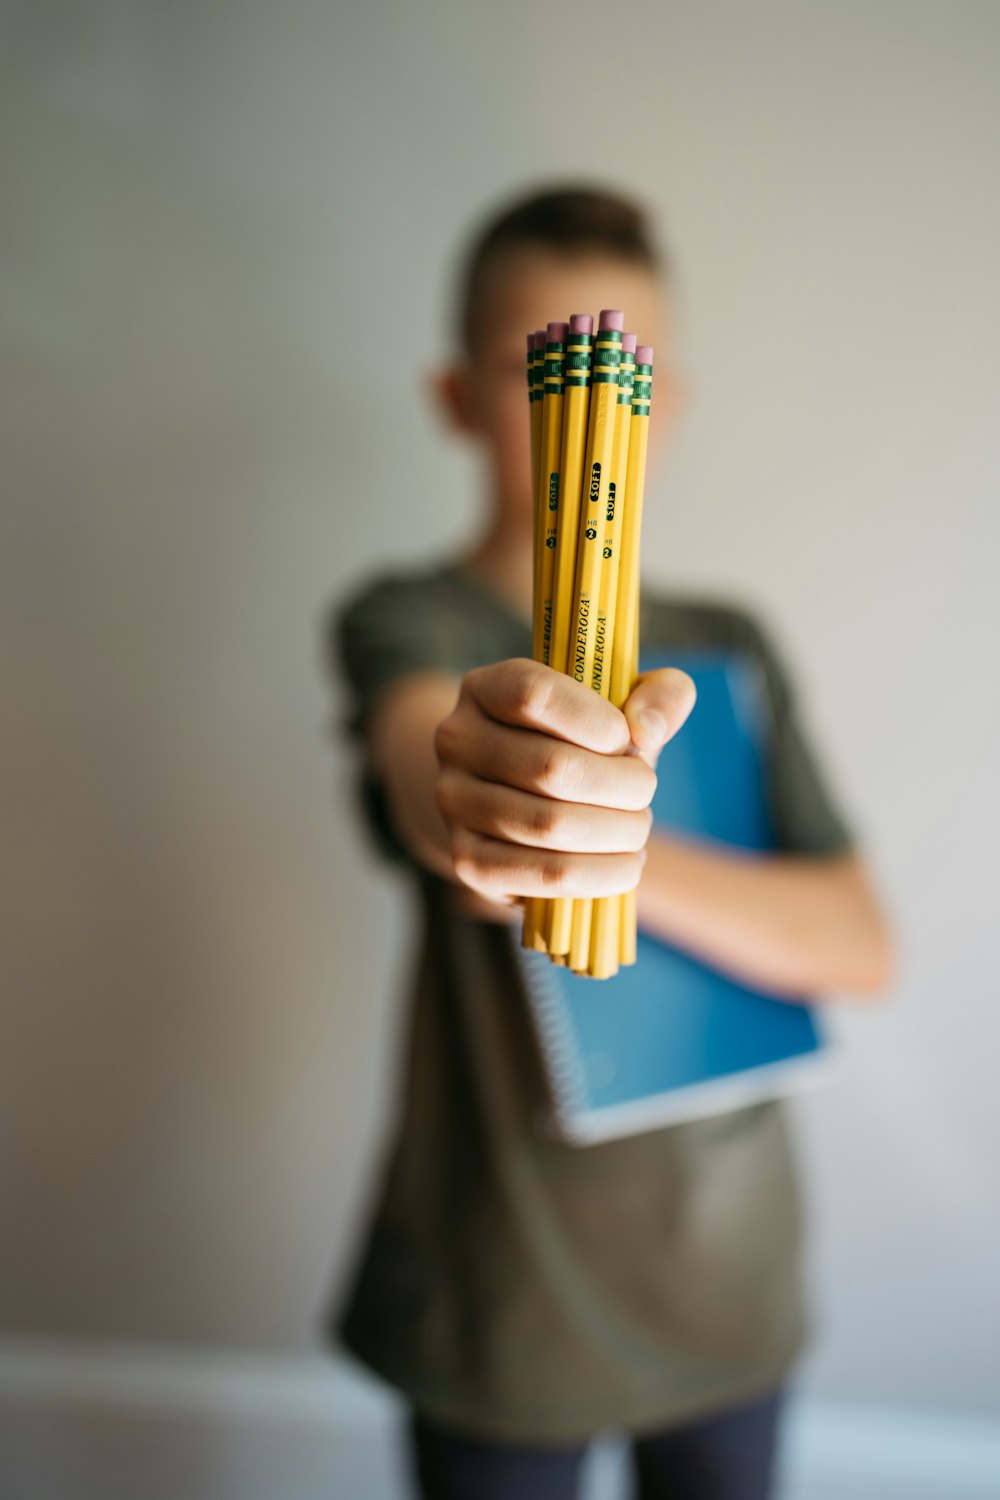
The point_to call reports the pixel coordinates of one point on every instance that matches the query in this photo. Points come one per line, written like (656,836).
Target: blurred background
(223,226)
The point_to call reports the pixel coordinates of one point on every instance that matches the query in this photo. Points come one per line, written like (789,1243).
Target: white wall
(215,217)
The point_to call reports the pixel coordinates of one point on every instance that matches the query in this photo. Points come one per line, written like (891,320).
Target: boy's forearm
(402,750)
(790,924)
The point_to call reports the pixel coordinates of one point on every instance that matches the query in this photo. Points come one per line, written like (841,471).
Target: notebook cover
(670,1039)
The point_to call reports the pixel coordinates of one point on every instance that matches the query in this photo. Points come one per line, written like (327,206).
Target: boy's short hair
(570,221)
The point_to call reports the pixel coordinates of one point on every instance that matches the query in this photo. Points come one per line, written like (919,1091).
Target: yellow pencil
(545,518)
(532,935)
(576,409)
(628,923)
(590,551)
(536,356)
(606,916)
(550,457)
(625,653)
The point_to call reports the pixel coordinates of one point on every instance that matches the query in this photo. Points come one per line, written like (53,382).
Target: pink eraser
(531,343)
(557,333)
(628,343)
(644,354)
(612,320)
(581,323)
(539,338)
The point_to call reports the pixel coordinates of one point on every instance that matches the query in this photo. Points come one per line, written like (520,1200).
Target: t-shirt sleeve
(807,818)
(394,628)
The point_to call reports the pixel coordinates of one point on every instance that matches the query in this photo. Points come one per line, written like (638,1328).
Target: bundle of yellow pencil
(589,406)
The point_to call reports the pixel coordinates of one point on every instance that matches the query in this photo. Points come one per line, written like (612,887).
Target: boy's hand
(545,787)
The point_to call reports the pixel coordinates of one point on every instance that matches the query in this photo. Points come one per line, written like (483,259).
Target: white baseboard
(832,1450)
(847,1450)
(299,1388)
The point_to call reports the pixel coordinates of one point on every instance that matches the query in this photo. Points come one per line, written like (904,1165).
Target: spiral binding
(563,1065)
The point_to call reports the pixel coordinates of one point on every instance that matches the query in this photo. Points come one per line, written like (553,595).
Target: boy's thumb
(656,708)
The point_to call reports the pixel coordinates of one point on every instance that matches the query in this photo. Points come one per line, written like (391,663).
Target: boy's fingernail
(654,726)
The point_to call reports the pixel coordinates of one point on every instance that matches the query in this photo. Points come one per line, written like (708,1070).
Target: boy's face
(487,396)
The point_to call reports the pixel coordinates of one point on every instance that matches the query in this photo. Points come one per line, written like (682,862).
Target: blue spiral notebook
(670,1039)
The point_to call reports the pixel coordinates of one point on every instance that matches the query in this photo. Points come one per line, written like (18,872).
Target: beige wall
(207,211)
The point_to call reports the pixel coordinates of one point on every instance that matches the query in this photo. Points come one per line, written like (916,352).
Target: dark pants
(727,1456)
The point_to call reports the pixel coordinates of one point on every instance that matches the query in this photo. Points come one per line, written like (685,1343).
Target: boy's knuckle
(559,772)
(554,874)
(444,739)
(530,692)
(546,819)
(465,859)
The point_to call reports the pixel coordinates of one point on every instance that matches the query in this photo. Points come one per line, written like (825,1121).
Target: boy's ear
(451,392)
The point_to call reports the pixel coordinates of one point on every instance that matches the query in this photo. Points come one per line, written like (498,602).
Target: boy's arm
(788,923)
(401,740)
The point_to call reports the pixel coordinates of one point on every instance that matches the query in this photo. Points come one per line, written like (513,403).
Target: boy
(524,1293)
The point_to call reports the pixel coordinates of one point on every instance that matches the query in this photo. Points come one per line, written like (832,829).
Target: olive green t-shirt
(509,1283)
